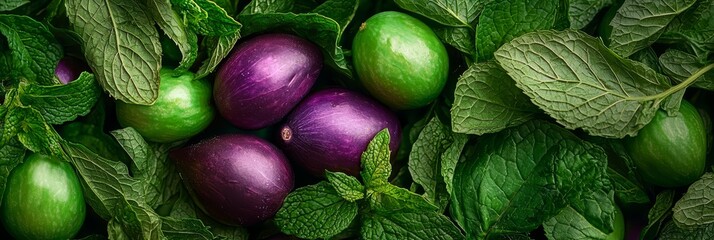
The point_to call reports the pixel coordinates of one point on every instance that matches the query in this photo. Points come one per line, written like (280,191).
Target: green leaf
(376,167)
(152,168)
(695,208)
(11,155)
(450,158)
(680,65)
(189,228)
(33,132)
(121,45)
(390,198)
(218,48)
(502,21)
(580,83)
(425,161)
(657,214)
(582,12)
(486,100)
(570,224)
(347,186)
(315,211)
(649,57)
(461,38)
(8,5)
(138,221)
(33,51)
(107,184)
(321,30)
(626,190)
(591,208)
(456,13)
(408,225)
(693,29)
(672,232)
(342,11)
(63,103)
(268,6)
(514,180)
(176,30)
(205,17)
(622,173)
(638,23)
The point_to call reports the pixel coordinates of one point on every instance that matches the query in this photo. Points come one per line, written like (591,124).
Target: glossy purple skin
(236,179)
(68,69)
(331,128)
(264,78)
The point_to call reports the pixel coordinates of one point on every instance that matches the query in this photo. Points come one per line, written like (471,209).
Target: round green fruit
(43,200)
(400,60)
(183,109)
(670,151)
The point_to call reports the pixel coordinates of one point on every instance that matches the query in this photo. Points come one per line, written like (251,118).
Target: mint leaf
(176,30)
(621,172)
(63,103)
(693,30)
(11,155)
(673,232)
(514,180)
(188,228)
(218,22)
(486,100)
(315,211)
(268,6)
(158,176)
(347,186)
(218,48)
(121,45)
(33,132)
(389,198)
(638,23)
(502,21)
(107,184)
(461,38)
(456,13)
(649,57)
(582,12)
(8,5)
(657,214)
(425,161)
(626,190)
(450,158)
(408,225)
(342,11)
(680,65)
(34,52)
(138,221)
(376,167)
(695,208)
(570,224)
(321,30)
(591,207)
(582,84)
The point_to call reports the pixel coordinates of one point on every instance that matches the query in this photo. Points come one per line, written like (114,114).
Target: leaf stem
(689,81)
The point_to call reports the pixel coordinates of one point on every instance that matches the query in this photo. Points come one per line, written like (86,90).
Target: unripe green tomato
(43,200)
(670,151)
(183,109)
(400,60)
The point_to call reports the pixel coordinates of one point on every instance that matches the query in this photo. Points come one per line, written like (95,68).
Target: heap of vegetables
(356,119)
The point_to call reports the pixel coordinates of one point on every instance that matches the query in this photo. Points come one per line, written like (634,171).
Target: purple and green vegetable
(356,119)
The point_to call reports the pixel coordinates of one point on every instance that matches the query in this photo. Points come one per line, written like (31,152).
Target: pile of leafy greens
(523,143)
